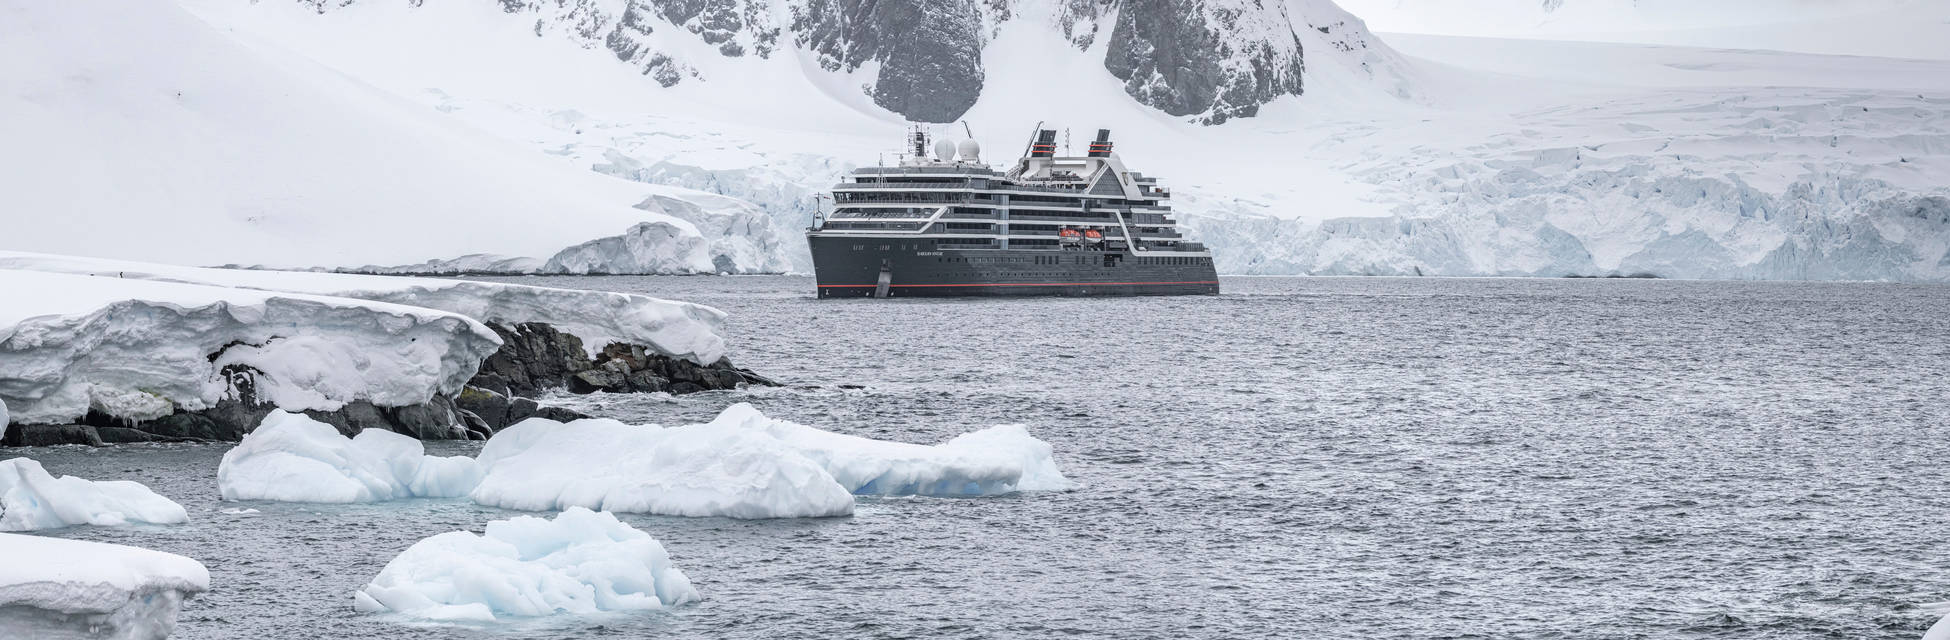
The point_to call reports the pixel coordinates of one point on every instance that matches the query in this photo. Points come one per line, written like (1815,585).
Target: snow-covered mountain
(1295,140)
(219,152)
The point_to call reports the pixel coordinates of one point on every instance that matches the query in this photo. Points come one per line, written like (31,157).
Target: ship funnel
(1045,145)
(1101,147)
(944,150)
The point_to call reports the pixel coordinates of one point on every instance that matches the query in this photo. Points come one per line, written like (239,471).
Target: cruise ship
(949,225)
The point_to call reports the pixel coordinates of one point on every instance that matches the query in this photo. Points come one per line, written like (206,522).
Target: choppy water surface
(1334,458)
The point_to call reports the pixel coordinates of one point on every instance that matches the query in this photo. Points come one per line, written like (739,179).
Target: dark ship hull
(862,267)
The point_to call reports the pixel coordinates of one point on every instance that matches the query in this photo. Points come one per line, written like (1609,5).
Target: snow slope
(140,349)
(223,153)
(31,499)
(59,588)
(676,329)
(293,458)
(578,562)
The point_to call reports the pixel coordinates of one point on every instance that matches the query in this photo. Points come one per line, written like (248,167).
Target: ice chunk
(57,588)
(580,562)
(991,461)
(32,499)
(744,465)
(293,458)
(693,470)
(140,349)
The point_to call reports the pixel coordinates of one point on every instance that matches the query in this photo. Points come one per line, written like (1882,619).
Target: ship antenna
(1066,141)
(965,129)
(1032,139)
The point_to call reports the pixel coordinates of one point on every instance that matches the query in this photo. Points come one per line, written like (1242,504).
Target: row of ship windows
(1175,260)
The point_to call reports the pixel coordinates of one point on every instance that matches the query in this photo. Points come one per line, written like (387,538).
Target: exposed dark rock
(536,357)
(477,428)
(1185,64)
(593,380)
(491,407)
(125,435)
(42,435)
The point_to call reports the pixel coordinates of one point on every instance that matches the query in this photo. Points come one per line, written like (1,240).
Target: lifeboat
(1093,236)
(1069,236)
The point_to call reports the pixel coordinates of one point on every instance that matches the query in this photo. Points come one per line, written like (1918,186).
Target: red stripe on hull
(1013,284)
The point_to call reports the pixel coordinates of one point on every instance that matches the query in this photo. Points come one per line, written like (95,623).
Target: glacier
(578,562)
(293,458)
(59,588)
(745,465)
(32,499)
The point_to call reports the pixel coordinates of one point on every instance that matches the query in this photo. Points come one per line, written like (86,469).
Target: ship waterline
(1051,225)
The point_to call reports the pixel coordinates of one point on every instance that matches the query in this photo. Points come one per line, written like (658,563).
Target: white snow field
(54,589)
(744,465)
(224,153)
(31,499)
(676,329)
(142,349)
(293,458)
(579,562)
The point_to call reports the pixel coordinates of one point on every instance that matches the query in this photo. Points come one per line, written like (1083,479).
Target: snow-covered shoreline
(216,349)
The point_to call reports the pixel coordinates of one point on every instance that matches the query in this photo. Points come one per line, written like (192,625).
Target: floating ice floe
(31,499)
(579,562)
(676,329)
(293,458)
(58,588)
(998,459)
(744,465)
(143,349)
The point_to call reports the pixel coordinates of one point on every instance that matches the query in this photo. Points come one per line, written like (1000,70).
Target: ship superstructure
(949,225)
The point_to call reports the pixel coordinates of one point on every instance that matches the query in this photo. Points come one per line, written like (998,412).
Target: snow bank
(743,465)
(293,458)
(142,349)
(676,329)
(580,562)
(31,499)
(57,588)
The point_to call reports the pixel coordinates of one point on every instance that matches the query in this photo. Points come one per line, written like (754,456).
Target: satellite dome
(944,150)
(971,151)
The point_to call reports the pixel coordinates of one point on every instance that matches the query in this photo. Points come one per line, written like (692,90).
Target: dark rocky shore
(534,358)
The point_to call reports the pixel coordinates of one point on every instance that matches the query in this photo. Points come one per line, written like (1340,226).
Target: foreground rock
(57,588)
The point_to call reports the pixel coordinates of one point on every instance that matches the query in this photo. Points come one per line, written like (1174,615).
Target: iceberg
(293,458)
(58,588)
(996,460)
(141,349)
(32,499)
(744,465)
(579,562)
